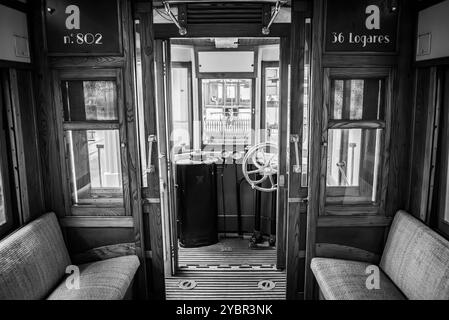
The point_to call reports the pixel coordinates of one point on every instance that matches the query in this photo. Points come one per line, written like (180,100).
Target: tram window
(271,101)
(95,166)
(92,143)
(227,111)
(353,166)
(355,141)
(357,99)
(182,115)
(89,100)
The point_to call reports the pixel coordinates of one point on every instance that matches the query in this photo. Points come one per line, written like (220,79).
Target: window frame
(120,125)
(362,209)
(228,76)
(443,185)
(8,226)
(188,66)
(263,112)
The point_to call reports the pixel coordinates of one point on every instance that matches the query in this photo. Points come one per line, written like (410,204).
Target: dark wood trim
(401,93)
(351,60)
(97,222)
(130,146)
(443,224)
(15,65)
(433,62)
(86,62)
(282,191)
(295,253)
(17,146)
(5,166)
(227,75)
(421,5)
(16,5)
(356,221)
(335,251)
(91,125)
(152,189)
(315,153)
(166,31)
(48,139)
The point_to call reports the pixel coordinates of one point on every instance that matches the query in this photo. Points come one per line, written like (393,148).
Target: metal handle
(295,139)
(277,9)
(150,167)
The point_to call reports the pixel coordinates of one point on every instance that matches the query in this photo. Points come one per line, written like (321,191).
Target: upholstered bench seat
(346,280)
(414,265)
(102,280)
(34,261)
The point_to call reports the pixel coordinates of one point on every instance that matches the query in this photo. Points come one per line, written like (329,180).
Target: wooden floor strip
(227,285)
(228,252)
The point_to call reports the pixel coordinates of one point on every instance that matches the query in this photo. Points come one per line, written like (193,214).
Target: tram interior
(224,150)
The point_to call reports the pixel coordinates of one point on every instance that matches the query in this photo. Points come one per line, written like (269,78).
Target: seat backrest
(33,260)
(417,259)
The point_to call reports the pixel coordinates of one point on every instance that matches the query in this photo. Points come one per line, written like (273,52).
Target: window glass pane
(446,199)
(272,81)
(307,87)
(140,107)
(89,100)
(227,113)
(181,100)
(353,166)
(2,201)
(95,166)
(357,99)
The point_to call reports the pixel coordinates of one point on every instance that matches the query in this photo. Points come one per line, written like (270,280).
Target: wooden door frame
(301,9)
(442,224)
(282,201)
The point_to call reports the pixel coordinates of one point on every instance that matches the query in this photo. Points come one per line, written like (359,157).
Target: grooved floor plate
(227,285)
(227,253)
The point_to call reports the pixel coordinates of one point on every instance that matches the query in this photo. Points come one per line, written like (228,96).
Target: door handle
(150,166)
(295,140)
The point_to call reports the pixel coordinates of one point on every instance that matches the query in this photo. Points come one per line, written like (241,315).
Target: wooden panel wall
(19,98)
(151,193)
(86,232)
(297,208)
(359,237)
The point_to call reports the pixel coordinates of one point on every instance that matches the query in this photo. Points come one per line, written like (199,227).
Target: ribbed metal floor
(228,253)
(227,285)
